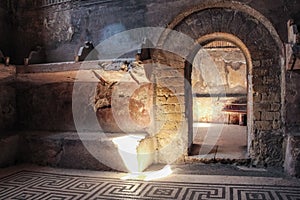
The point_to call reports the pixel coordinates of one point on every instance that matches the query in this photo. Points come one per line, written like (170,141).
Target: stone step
(94,151)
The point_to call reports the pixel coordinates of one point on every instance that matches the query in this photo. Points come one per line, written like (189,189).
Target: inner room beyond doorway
(220,102)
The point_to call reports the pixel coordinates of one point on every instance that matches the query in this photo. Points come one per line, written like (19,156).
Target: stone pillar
(267,136)
(171,122)
(292,156)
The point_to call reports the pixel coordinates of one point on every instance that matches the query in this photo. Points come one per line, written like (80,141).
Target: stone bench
(90,150)
(236,108)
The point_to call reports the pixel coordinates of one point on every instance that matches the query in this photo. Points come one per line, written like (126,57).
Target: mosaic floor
(44,185)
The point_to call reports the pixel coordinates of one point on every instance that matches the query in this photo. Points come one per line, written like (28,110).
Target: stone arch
(238,43)
(256,32)
(233,5)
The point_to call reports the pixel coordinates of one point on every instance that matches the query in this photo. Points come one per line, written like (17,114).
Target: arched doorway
(221,103)
(256,33)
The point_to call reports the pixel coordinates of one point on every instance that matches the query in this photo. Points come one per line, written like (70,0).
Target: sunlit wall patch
(142,142)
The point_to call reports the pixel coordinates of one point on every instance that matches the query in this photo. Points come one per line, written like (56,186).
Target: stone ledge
(93,151)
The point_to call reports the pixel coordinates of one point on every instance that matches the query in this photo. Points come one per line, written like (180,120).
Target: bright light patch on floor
(127,148)
(151,175)
(201,125)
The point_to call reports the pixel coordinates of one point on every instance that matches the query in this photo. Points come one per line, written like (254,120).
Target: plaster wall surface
(8,112)
(55,33)
(207,103)
(61,28)
(5,28)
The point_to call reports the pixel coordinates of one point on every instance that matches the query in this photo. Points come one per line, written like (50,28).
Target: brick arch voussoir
(249,30)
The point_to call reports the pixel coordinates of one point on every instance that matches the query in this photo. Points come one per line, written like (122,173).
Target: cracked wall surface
(265,55)
(292,157)
(55,33)
(61,28)
(207,103)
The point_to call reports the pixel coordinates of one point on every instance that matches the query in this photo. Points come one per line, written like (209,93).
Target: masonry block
(270,116)
(263,125)
(275,107)
(292,155)
(257,115)
(262,106)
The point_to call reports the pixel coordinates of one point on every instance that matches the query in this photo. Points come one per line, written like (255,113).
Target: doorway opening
(220,99)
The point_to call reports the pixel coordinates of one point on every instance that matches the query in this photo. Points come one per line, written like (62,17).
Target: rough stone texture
(292,156)
(67,150)
(293,101)
(61,28)
(93,150)
(48,106)
(266,72)
(8,110)
(269,148)
(170,119)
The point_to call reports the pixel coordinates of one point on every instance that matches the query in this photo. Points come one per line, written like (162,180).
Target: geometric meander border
(45,186)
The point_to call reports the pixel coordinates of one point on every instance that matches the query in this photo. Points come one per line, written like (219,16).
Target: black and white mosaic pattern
(40,185)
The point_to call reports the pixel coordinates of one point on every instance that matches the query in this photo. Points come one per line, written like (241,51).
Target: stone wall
(9,141)
(72,119)
(292,101)
(7,107)
(47,101)
(265,128)
(8,110)
(57,31)
(171,121)
(5,27)
(61,28)
(292,157)
(45,107)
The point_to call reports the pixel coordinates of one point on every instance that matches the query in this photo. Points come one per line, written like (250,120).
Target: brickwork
(169,103)
(267,134)
(62,27)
